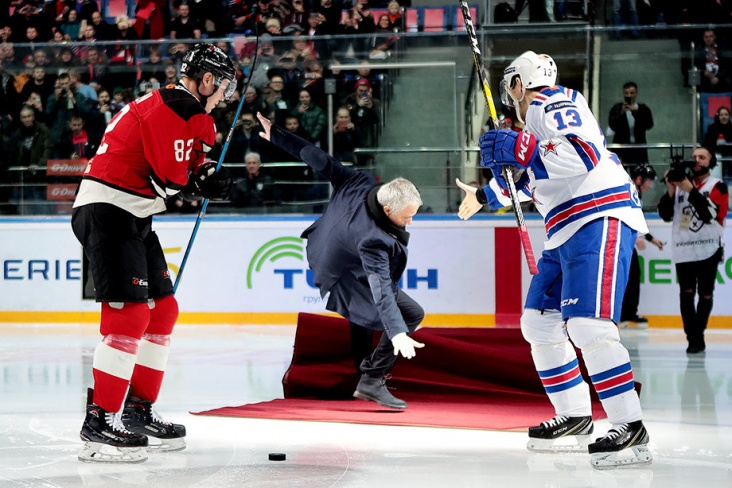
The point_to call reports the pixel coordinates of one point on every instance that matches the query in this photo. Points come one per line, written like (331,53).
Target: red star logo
(550,146)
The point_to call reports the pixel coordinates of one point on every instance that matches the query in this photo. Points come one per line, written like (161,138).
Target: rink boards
(253,270)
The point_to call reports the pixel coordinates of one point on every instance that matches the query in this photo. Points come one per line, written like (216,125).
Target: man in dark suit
(358,251)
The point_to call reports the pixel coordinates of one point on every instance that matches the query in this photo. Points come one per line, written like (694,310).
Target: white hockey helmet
(534,70)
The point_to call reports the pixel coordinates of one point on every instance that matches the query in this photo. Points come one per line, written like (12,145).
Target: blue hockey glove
(507,147)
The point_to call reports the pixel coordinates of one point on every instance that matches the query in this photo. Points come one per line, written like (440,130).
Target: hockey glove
(404,345)
(507,147)
(209,183)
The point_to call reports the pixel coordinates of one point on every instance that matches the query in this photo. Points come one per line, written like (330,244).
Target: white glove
(404,345)
(470,204)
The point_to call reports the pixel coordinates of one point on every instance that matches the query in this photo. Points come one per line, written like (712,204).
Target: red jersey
(147,151)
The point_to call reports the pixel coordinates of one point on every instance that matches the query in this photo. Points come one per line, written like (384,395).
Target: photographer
(628,122)
(697,203)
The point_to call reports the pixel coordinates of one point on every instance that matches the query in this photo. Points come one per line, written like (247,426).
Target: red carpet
(469,378)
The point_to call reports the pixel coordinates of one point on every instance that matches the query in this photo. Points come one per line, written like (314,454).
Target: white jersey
(576,179)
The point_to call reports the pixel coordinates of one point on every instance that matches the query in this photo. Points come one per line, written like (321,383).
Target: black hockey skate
(561,434)
(107,441)
(140,417)
(606,451)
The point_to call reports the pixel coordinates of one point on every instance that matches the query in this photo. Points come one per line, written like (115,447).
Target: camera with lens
(680,170)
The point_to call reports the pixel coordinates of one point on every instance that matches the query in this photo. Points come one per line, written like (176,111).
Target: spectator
(629,121)
(719,134)
(35,101)
(185,27)
(297,20)
(65,60)
(100,116)
(31,146)
(380,45)
(365,112)
(171,74)
(329,17)
(697,205)
(80,87)
(394,12)
(75,143)
(31,41)
(643,176)
(103,30)
(62,104)
(40,83)
(72,25)
(315,82)
(714,65)
(95,66)
(256,188)
(276,106)
(311,117)
(273,27)
(89,40)
(153,67)
(56,12)
(252,101)
(345,137)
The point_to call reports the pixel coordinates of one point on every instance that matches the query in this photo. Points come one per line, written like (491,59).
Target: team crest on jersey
(549,147)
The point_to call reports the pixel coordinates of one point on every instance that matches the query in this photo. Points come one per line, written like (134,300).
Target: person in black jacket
(630,121)
(358,251)
(719,134)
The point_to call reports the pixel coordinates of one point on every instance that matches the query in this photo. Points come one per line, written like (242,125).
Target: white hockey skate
(623,446)
(140,417)
(107,441)
(561,435)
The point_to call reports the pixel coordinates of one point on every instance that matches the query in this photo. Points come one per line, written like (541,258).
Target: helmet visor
(506,97)
(230,89)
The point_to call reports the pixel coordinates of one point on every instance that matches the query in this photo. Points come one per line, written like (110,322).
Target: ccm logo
(524,144)
(570,301)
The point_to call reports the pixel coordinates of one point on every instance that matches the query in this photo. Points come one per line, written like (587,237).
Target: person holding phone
(628,123)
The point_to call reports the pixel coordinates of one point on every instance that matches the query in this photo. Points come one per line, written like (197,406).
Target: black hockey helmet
(644,170)
(206,58)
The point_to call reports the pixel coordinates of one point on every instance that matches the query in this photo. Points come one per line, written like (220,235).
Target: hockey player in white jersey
(592,215)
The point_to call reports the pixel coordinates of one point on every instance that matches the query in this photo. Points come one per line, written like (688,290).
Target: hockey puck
(277,456)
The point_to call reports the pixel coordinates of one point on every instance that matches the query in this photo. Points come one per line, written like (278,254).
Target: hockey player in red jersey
(153,148)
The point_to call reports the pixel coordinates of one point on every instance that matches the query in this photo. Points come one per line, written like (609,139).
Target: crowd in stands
(65,72)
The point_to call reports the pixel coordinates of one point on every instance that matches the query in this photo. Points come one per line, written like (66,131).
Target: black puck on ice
(277,456)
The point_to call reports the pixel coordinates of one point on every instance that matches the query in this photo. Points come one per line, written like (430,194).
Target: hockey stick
(493,120)
(204,205)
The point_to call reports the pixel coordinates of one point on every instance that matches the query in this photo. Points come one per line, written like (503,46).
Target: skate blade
(562,445)
(166,445)
(94,452)
(638,456)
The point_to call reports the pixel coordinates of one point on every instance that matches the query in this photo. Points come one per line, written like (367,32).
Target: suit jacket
(351,257)
(619,124)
